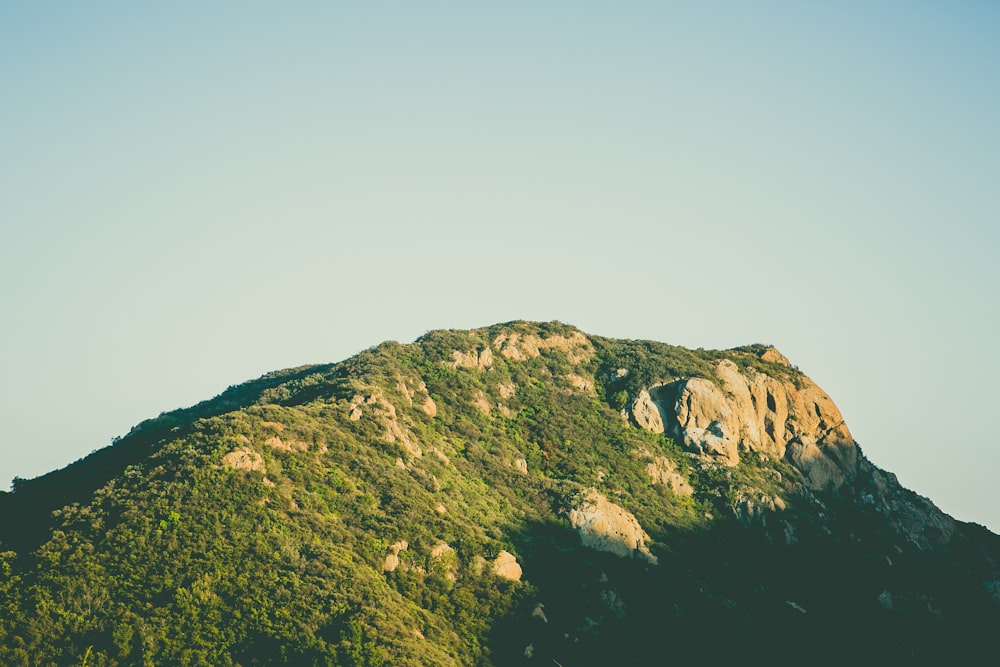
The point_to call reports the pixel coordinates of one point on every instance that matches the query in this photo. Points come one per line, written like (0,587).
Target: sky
(193,194)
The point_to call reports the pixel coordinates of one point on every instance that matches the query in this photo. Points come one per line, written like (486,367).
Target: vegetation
(165,549)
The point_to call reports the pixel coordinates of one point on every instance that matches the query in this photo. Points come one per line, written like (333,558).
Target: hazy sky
(193,194)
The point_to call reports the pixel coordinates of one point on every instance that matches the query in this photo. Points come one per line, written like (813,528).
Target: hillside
(513,495)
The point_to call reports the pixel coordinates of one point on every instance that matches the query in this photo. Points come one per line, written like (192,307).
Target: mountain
(514,495)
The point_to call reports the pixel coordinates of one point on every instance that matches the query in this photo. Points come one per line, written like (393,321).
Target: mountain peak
(523,491)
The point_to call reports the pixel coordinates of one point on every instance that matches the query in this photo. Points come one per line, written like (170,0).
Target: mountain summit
(514,495)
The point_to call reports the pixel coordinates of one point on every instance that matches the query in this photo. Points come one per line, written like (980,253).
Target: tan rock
(413,395)
(440,549)
(646,413)
(799,422)
(662,470)
(521,465)
(518,347)
(580,383)
(480,401)
(772,354)
(379,408)
(706,422)
(244,459)
(776,417)
(429,407)
(287,445)
(475,359)
(605,526)
(505,565)
(392,558)
(391,563)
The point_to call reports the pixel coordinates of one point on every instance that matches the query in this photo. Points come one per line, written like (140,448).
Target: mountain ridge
(513,493)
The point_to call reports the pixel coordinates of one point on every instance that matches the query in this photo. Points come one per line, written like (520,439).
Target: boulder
(505,565)
(392,558)
(605,526)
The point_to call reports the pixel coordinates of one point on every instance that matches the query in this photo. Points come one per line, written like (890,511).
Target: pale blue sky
(196,193)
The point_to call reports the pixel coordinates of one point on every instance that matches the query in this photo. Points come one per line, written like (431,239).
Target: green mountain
(522,494)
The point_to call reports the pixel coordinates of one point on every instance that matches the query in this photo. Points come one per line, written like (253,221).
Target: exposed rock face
(429,407)
(706,422)
(647,413)
(287,445)
(605,526)
(778,417)
(427,404)
(392,558)
(661,470)
(580,383)
(481,402)
(750,505)
(518,347)
(771,354)
(914,517)
(505,565)
(479,359)
(377,407)
(244,459)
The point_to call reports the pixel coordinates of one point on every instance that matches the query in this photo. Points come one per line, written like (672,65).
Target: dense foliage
(160,550)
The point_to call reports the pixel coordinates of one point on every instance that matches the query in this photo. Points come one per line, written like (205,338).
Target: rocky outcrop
(604,526)
(480,402)
(772,355)
(478,359)
(912,516)
(705,421)
(286,445)
(580,383)
(392,558)
(244,459)
(647,413)
(518,347)
(505,565)
(775,416)
(376,406)
(418,395)
(662,470)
